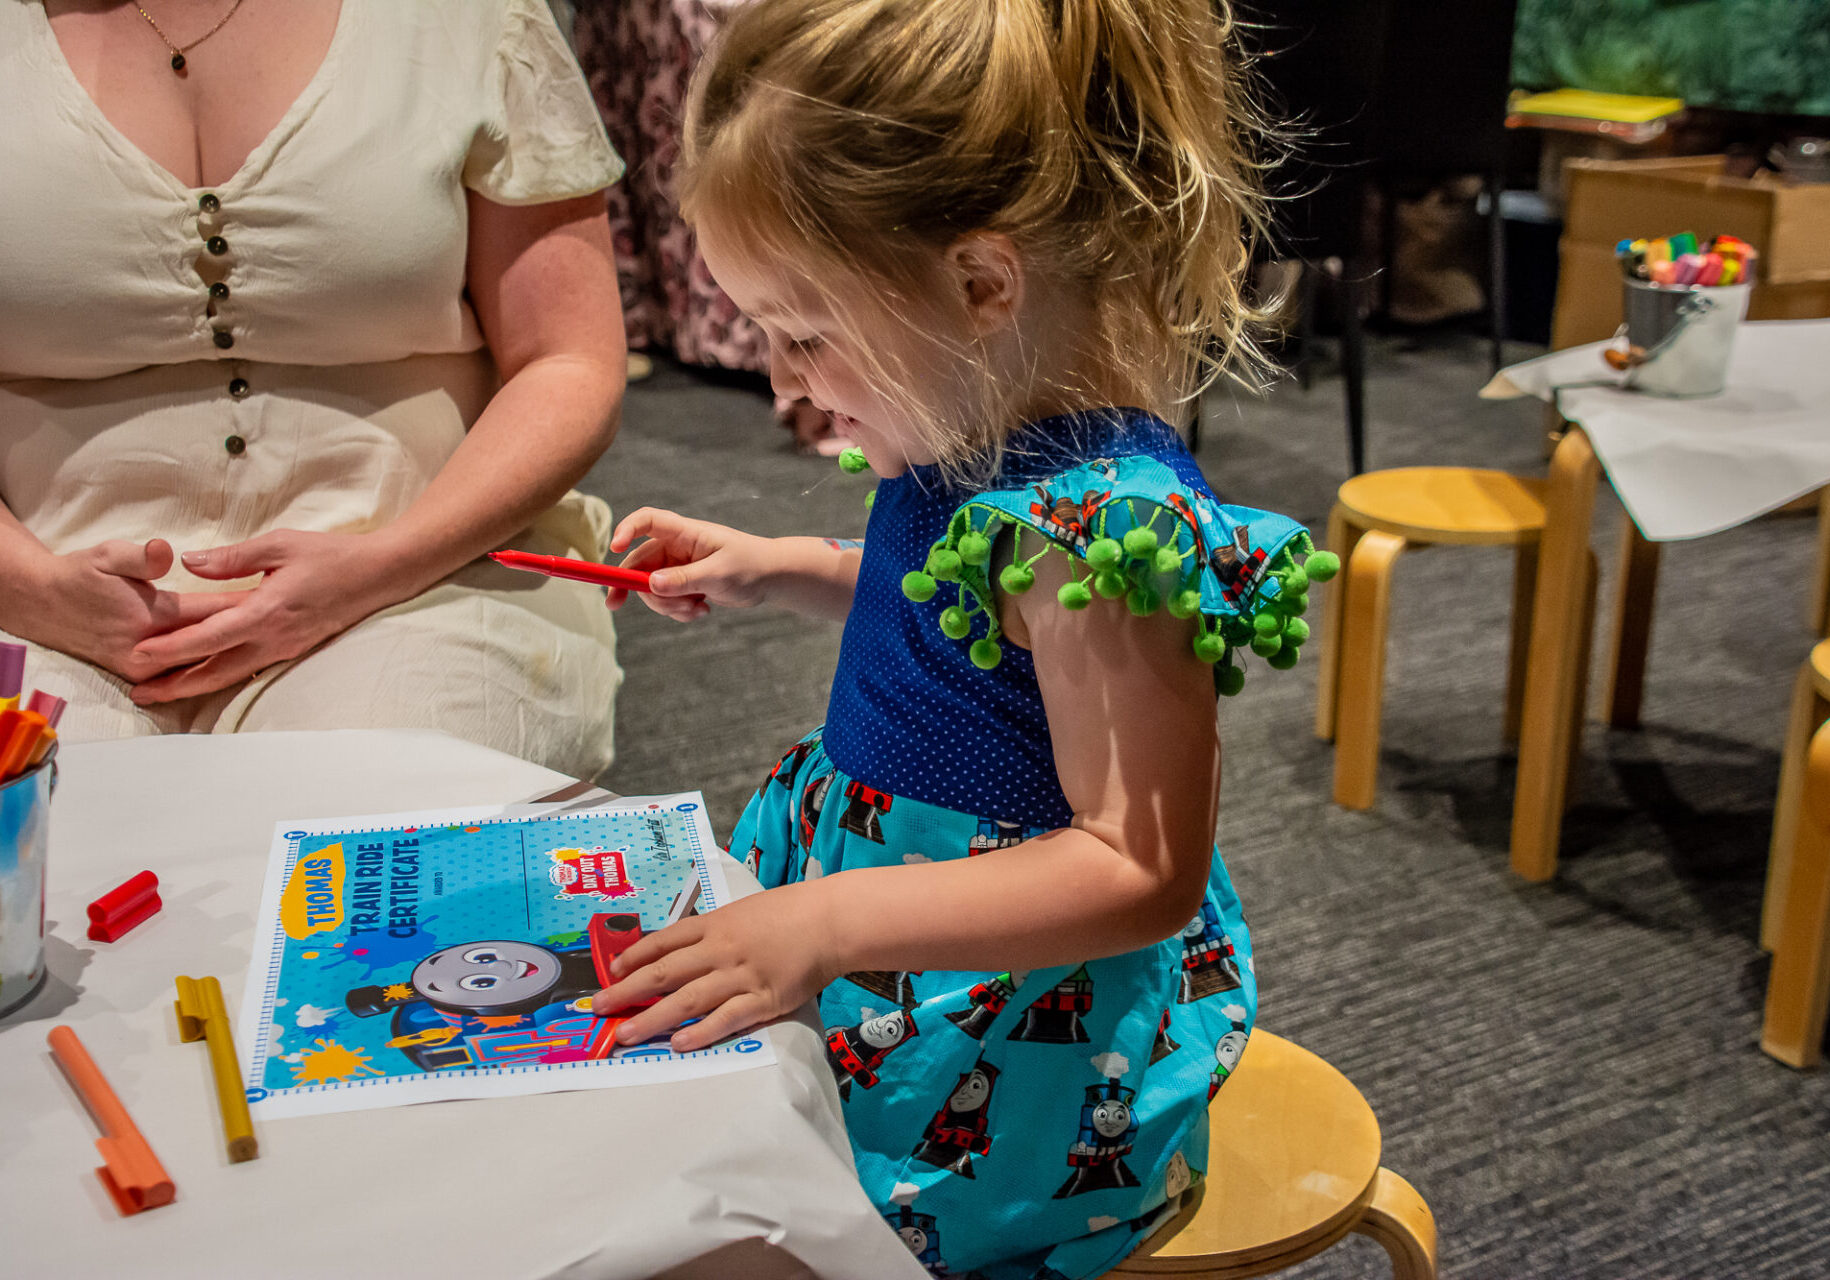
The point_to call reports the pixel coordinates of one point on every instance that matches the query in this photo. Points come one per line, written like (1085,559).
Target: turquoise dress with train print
(1024,1126)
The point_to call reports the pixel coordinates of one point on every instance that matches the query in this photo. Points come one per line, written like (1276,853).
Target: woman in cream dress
(314,298)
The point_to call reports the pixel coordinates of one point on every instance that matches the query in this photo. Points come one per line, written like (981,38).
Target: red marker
(607,575)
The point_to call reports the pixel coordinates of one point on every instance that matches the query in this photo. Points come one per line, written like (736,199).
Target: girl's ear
(985,272)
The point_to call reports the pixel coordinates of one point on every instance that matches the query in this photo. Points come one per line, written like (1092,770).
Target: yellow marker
(201,1016)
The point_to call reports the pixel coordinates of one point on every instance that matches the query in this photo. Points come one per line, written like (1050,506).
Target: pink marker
(48,705)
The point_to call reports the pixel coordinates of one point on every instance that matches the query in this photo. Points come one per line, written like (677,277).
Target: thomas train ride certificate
(413,957)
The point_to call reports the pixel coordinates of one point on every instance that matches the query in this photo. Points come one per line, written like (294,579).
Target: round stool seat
(1820,668)
(1291,1167)
(1467,505)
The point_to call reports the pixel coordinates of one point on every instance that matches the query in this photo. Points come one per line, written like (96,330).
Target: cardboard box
(1606,202)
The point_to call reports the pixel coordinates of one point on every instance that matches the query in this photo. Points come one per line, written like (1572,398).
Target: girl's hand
(747,963)
(99,604)
(696,564)
(314,586)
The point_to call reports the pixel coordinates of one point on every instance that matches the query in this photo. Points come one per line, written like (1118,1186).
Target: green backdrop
(1744,55)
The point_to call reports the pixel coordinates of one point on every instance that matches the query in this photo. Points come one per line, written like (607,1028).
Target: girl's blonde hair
(1112,141)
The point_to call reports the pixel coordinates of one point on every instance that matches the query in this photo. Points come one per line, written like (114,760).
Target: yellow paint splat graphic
(332,1061)
(396,991)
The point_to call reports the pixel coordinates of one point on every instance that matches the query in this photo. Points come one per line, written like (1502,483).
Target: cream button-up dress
(293,349)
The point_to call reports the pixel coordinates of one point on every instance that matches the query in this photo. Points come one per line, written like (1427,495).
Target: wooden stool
(1376,518)
(1292,1169)
(1795,922)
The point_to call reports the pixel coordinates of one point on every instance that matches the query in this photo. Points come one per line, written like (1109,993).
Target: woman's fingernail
(195,559)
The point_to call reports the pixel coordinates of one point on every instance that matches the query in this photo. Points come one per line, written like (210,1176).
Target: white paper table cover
(1686,468)
(601,1183)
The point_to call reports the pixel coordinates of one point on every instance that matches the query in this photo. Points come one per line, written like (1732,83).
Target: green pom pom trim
(1168,560)
(975,548)
(1295,604)
(1296,580)
(852,461)
(1017,578)
(1185,604)
(918,586)
(1141,543)
(1110,583)
(1074,595)
(1296,631)
(1284,658)
(954,624)
(944,564)
(1265,646)
(985,654)
(870,499)
(1209,647)
(1104,554)
(1322,565)
(1267,624)
(1229,680)
(1143,601)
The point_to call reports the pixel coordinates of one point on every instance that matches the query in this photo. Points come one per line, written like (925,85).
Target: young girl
(971,228)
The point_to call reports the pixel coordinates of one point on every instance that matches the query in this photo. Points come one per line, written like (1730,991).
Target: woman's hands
(314,586)
(100,604)
(747,963)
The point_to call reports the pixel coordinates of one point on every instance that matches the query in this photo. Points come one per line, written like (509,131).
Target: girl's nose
(787,383)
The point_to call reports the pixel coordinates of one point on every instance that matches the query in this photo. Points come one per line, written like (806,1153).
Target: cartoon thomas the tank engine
(856,1052)
(1108,1128)
(1207,958)
(961,1128)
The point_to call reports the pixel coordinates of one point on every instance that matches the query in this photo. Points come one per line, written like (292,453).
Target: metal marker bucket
(1687,333)
(25,826)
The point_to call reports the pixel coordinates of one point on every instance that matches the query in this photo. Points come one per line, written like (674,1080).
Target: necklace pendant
(178,62)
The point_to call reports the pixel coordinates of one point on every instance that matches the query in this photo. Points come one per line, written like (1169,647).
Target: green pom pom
(1110,584)
(1293,605)
(1296,631)
(918,586)
(1144,601)
(1230,681)
(954,624)
(985,654)
(1322,565)
(851,461)
(1263,646)
(1209,647)
(1105,553)
(975,548)
(1267,624)
(1140,543)
(1168,560)
(1185,604)
(1074,595)
(870,499)
(1284,658)
(1017,578)
(945,565)
(1296,580)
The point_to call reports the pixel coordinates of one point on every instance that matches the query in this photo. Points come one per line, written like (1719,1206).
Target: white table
(607,1183)
(1683,469)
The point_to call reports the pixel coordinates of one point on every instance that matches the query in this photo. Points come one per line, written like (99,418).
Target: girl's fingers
(694,1000)
(734,1016)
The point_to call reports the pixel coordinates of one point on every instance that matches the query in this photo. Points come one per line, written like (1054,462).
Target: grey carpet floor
(1568,1072)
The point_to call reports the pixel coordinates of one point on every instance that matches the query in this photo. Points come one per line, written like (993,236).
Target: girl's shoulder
(1135,521)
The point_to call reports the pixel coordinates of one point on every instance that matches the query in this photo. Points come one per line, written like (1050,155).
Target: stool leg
(1401,1222)
(1524,592)
(1632,625)
(1808,711)
(1343,533)
(1362,677)
(1585,652)
(1798,992)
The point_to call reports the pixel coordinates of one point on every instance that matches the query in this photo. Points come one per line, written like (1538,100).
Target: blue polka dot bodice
(910,714)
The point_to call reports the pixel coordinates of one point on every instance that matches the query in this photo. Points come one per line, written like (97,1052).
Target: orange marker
(19,735)
(131,1172)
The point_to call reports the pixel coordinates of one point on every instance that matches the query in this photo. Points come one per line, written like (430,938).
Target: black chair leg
(1496,268)
(1353,366)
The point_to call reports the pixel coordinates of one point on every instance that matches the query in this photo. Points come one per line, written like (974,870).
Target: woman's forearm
(537,437)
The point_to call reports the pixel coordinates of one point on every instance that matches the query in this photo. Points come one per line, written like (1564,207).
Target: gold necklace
(178,51)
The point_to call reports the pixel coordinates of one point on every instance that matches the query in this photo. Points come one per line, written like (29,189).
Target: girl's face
(814,354)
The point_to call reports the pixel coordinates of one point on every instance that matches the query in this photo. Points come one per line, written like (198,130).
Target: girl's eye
(805,345)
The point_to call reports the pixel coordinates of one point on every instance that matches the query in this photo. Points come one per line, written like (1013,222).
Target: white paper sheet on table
(1686,468)
(434,955)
